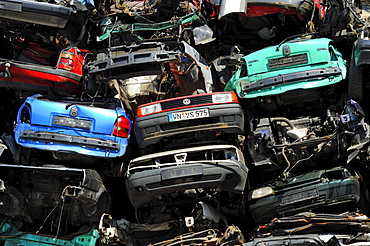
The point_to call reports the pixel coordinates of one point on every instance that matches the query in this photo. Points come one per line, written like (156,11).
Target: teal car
(293,65)
(11,236)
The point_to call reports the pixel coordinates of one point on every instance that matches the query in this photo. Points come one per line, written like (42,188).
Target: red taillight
(66,60)
(121,127)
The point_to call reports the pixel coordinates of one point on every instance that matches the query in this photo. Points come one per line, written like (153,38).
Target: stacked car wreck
(164,122)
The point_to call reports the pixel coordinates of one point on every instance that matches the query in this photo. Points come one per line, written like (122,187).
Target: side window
(231,155)
(333,56)
(224,154)
(243,70)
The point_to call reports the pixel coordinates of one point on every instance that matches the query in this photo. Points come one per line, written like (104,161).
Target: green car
(294,65)
(11,236)
(337,189)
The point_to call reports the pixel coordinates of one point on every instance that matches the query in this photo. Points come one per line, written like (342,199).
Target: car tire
(356,82)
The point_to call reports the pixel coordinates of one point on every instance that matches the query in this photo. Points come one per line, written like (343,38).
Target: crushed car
(55,14)
(11,235)
(295,240)
(190,120)
(338,189)
(358,68)
(66,78)
(114,231)
(348,228)
(203,173)
(44,44)
(266,7)
(149,72)
(90,128)
(142,11)
(55,23)
(50,199)
(307,142)
(191,28)
(253,25)
(293,75)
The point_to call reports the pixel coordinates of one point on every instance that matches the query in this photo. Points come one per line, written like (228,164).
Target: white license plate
(188,115)
(179,172)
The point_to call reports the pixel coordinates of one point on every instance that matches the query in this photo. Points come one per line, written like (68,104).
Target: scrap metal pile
(184,122)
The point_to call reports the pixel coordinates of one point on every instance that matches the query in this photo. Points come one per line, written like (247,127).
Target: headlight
(149,109)
(224,98)
(261,192)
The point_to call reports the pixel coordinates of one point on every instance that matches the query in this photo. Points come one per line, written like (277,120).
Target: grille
(302,205)
(183,181)
(177,103)
(287,61)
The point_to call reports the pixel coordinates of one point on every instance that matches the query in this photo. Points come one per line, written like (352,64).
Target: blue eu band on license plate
(178,172)
(188,115)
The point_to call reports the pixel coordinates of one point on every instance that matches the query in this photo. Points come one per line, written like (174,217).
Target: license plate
(188,115)
(287,61)
(181,172)
(299,196)
(72,122)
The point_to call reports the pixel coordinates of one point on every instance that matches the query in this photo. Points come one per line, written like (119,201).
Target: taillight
(121,127)
(66,60)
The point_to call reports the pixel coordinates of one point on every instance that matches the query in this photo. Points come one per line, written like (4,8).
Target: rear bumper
(83,143)
(39,78)
(277,84)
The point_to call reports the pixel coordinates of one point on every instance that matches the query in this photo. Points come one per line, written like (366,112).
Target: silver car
(215,167)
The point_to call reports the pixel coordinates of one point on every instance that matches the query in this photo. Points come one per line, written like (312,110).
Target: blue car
(88,127)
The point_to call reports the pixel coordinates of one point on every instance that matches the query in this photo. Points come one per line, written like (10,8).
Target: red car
(31,74)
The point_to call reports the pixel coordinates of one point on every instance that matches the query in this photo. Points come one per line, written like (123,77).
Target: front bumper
(328,193)
(143,186)
(226,117)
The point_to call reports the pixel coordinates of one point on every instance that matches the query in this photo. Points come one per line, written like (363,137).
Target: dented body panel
(12,236)
(307,191)
(210,115)
(64,79)
(213,166)
(299,64)
(29,194)
(72,126)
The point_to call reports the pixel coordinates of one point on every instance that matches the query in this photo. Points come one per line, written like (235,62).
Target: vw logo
(186,101)
(286,50)
(73,112)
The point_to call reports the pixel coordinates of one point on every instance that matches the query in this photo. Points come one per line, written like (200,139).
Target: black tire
(356,82)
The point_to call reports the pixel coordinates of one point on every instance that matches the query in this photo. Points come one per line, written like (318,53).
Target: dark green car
(305,192)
